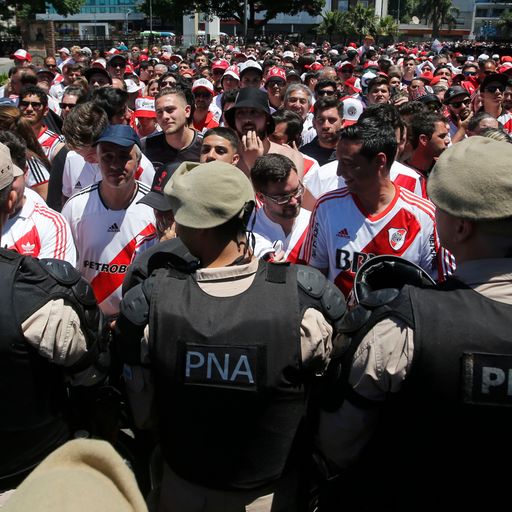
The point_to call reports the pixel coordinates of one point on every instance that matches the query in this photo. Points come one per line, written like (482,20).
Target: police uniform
(49,320)
(425,397)
(230,383)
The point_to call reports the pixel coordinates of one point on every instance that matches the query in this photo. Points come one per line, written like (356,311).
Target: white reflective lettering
(189,365)
(223,372)
(491,377)
(243,361)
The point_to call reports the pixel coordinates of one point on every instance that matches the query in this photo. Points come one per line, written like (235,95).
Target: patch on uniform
(487,379)
(397,238)
(226,366)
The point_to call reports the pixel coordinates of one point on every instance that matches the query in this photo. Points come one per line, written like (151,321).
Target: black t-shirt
(155,147)
(320,154)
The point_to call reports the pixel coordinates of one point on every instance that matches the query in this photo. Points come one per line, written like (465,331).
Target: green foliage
(438,13)
(3,78)
(505,23)
(170,10)
(27,10)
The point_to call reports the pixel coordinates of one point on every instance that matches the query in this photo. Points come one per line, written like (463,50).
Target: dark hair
(378,80)
(411,108)
(375,138)
(228,97)
(477,118)
(4,194)
(174,75)
(423,124)
(294,124)
(17,146)
(226,133)
(325,82)
(84,124)
(384,64)
(74,90)
(385,114)
(271,167)
(71,67)
(112,101)
(328,102)
(33,90)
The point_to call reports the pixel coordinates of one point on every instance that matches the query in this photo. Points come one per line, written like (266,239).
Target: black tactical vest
(228,378)
(32,390)
(443,437)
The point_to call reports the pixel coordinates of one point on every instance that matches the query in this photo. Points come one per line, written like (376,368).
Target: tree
(386,28)
(363,19)
(505,23)
(438,13)
(335,24)
(27,10)
(234,9)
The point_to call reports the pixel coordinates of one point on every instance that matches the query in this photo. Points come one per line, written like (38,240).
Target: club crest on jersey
(397,238)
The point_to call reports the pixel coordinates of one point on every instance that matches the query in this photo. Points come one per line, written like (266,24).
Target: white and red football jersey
(37,173)
(342,236)
(38,231)
(79,174)
(270,237)
(324,179)
(310,164)
(107,240)
(49,141)
(506,120)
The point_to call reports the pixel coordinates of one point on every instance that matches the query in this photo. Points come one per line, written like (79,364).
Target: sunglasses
(282,200)
(168,84)
(458,104)
(202,94)
(65,106)
(50,66)
(36,105)
(470,73)
(494,88)
(326,92)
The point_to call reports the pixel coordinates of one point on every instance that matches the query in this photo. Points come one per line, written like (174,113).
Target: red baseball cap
(220,64)
(21,55)
(276,73)
(354,84)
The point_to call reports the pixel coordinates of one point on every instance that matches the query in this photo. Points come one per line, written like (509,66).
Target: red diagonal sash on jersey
(407,182)
(105,283)
(294,253)
(380,244)
(29,244)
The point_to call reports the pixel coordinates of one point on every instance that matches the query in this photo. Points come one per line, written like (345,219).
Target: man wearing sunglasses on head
(492,94)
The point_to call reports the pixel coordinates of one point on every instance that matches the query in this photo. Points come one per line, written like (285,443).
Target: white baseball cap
(145,107)
(250,64)
(132,86)
(483,56)
(233,72)
(64,50)
(202,83)
(352,109)
(288,55)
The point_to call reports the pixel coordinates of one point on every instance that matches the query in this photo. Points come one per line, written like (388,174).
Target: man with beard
(250,117)
(177,141)
(458,103)
(327,121)
(280,225)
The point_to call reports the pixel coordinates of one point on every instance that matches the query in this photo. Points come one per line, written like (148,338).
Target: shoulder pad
(135,305)
(355,319)
(379,298)
(311,281)
(62,271)
(82,290)
(333,301)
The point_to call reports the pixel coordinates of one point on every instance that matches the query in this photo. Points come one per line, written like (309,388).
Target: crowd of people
(290,262)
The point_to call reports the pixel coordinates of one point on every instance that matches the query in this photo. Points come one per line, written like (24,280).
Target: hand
(253,148)
(463,123)
(279,257)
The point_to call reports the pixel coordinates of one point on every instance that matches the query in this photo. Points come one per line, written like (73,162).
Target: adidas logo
(343,233)
(78,185)
(28,248)
(114,228)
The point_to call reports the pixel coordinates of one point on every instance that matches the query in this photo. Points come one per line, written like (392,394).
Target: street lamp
(128,11)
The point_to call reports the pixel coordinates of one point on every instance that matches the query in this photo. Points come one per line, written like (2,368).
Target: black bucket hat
(250,97)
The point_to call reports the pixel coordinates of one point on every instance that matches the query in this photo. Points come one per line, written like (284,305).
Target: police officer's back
(425,422)
(48,319)
(231,348)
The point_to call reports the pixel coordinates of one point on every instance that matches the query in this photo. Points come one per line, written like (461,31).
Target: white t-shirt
(107,240)
(270,237)
(79,174)
(39,231)
(342,236)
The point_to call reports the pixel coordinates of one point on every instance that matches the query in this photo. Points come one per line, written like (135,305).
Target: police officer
(48,319)
(425,419)
(231,348)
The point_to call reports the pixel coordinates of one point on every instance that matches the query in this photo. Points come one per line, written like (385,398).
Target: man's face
(98,80)
(51,64)
(250,78)
(200,61)
(229,83)
(71,75)
(116,68)
(288,192)
(44,82)
(416,84)
(409,66)
(250,119)
(444,72)
(203,99)
(117,163)
(279,135)
(493,93)
(275,89)
(357,171)
(486,123)
(327,123)
(67,104)
(440,139)
(460,106)
(183,65)
(172,113)
(297,102)
(488,68)
(507,98)
(219,52)
(378,94)
(160,70)
(215,147)
(32,109)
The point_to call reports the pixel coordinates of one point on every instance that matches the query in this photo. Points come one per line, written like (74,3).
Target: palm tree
(334,24)
(363,19)
(505,23)
(386,28)
(438,13)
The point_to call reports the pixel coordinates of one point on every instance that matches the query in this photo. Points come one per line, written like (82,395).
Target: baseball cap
(351,54)
(155,197)
(288,55)
(21,55)
(494,77)
(8,171)
(86,51)
(506,58)
(145,107)
(483,56)
(506,67)
(354,84)
(99,63)
(64,50)
(485,196)
(119,134)
(132,86)
(352,109)
(250,64)
(344,65)
(220,64)
(232,71)
(202,83)
(97,71)
(291,74)
(426,76)
(454,92)
(116,57)
(204,196)
(176,57)
(46,72)
(276,74)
